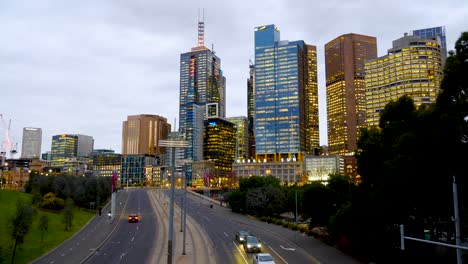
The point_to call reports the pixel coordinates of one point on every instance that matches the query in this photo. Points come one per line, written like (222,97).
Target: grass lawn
(33,247)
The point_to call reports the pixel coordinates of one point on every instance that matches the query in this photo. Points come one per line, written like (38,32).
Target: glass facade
(63,147)
(412,67)
(431,32)
(201,83)
(220,144)
(104,163)
(346,102)
(251,110)
(281,93)
(242,136)
(135,169)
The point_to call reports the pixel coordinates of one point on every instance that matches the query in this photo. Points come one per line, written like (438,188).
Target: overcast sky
(81,67)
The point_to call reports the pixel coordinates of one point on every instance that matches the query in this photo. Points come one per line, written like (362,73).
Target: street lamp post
(173,144)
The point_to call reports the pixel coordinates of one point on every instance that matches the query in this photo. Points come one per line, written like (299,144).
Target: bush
(263,219)
(284,224)
(52,202)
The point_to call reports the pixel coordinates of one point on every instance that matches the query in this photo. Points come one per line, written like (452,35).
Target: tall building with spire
(201,83)
(285,83)
(346,89)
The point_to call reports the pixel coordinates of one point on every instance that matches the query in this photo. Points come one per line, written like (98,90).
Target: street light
(172,144)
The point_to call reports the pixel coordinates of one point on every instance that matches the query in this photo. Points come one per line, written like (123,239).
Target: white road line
(133,239)
(226,234)
(240,252)
(207,219)
(285,248)
(278,255)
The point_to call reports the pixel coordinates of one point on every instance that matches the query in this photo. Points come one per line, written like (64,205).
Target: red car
(133,218)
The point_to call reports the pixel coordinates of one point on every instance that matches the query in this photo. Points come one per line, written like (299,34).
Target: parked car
(240,236)
(133,218)
(263,258)
(252,244)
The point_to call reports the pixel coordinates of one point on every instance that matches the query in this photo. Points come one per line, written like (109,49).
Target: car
(252,244)
(240,236)
(263,258)
(133,218)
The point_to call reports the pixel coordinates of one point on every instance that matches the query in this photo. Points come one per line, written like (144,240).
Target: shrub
(52,202)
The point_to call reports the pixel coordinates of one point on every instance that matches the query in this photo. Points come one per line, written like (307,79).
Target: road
(131,242)
(285,245)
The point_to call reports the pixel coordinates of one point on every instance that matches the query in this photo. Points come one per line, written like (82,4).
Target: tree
(21,222)
(265,201)
(68,213)
(43,225)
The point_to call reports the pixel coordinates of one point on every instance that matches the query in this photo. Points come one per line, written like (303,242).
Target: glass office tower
(63,147)
(201,83)
(283,87)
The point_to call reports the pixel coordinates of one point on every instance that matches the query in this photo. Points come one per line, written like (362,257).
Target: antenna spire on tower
(201,28)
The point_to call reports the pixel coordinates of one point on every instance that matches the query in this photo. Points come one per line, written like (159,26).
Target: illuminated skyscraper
(32,141)
(346,102)
(63,147)
(141,134)
(285,111)
(201,83)
(413,67)
(219,144)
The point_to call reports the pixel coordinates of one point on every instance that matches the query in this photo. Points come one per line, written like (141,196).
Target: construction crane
(7,145)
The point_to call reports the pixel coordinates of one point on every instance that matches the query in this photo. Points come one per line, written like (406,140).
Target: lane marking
(226,234)
(207,219)
(240,252)
(133,239)
(278,255)
(285,248)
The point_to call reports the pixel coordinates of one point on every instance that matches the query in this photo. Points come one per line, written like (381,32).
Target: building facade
(202,85)
(251,110)
(242,136)
(141,134)
(32,142)
(283,87)
(319,168)
(63,147)
(427,33)
(138,169)
(345,88)
(413,67)
(219,140)
(105,162)
(85,145)
(287,172)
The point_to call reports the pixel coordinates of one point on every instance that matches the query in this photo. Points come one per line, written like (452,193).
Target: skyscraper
(284,110)
(413,67)
(63,147)
(141,134)
(346,102)
(32,141)
(427,33)
(201,83)
(85,145)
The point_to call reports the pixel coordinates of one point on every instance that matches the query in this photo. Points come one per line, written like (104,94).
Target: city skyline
(85,72)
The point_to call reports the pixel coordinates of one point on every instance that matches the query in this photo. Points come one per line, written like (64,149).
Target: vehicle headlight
(259,245)
(241,239)
(249,246)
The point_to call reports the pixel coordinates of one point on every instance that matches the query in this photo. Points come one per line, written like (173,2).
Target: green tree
(265,201)
(21,224)
(236,200)
(43,225)
(68,213)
